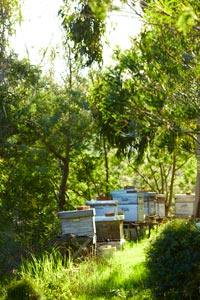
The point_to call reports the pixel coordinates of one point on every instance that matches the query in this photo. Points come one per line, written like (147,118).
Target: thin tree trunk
(106,166)
(171,185)
(63,185)
(197,197)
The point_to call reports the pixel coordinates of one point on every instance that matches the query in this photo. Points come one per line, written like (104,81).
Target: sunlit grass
(121,276)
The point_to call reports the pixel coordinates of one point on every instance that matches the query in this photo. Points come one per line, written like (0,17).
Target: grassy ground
(121,276)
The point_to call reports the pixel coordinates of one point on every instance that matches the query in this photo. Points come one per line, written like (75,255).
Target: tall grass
(121,276)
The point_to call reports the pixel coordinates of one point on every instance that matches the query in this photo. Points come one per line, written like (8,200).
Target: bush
(22,290)
(173,261)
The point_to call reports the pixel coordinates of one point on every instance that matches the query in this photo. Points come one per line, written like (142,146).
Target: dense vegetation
(163,267)
(119,277)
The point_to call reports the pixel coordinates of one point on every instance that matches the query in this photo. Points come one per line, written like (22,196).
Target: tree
(164,173)
(146,95)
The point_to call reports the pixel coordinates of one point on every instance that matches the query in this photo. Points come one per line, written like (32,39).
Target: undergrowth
(121,276)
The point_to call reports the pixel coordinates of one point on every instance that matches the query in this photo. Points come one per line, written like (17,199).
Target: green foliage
(23,290)
(157,169)
(154,83)
(186,19)
(84,27)
(172,261)
(100,8)
(116,121)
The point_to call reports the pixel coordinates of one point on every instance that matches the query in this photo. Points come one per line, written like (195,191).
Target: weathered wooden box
(78,222)
(149,199)
(132,212)
(126,196)
(160,205)
(109,228)
(184,205)
(103,207)
(160,209)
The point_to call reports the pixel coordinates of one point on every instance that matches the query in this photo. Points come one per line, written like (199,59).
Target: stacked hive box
(78,222)
(160,205)
(149,200)
(103,207)
(78,227)
(109,229)
(184,205)
(109,225)
(130,204)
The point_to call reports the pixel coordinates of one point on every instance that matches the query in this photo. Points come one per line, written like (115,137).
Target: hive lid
(144,193)
(76,213)
(104,202)
(111,218)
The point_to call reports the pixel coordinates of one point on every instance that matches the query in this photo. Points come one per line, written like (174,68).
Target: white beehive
(149,199)
(103,207)
(132,212)
(184,205)
(78,222)
(160,205)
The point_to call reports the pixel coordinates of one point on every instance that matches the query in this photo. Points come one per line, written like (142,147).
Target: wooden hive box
(132,212)
(149,200)
(184,205)
(126,196)
(103,207)
(78,222)
(109,228)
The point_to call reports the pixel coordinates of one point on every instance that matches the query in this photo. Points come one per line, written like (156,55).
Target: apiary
(103,207)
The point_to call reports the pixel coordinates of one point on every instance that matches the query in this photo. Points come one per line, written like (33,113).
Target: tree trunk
(197,197)
(171,191)
(63,185)
(106,166)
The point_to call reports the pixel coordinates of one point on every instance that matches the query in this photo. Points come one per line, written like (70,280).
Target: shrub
(22,290)
(173,261)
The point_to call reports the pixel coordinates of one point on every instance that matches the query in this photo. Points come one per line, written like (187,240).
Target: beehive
(78,222)
(103,207)
(184,205)
(126,196)
(149,199)
(129,203)
(160,205)
(132,212)
(109,228)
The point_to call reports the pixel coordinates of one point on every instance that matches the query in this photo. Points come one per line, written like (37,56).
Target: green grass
(121,276)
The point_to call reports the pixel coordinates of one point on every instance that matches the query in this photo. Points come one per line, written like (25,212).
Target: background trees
(150,98)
